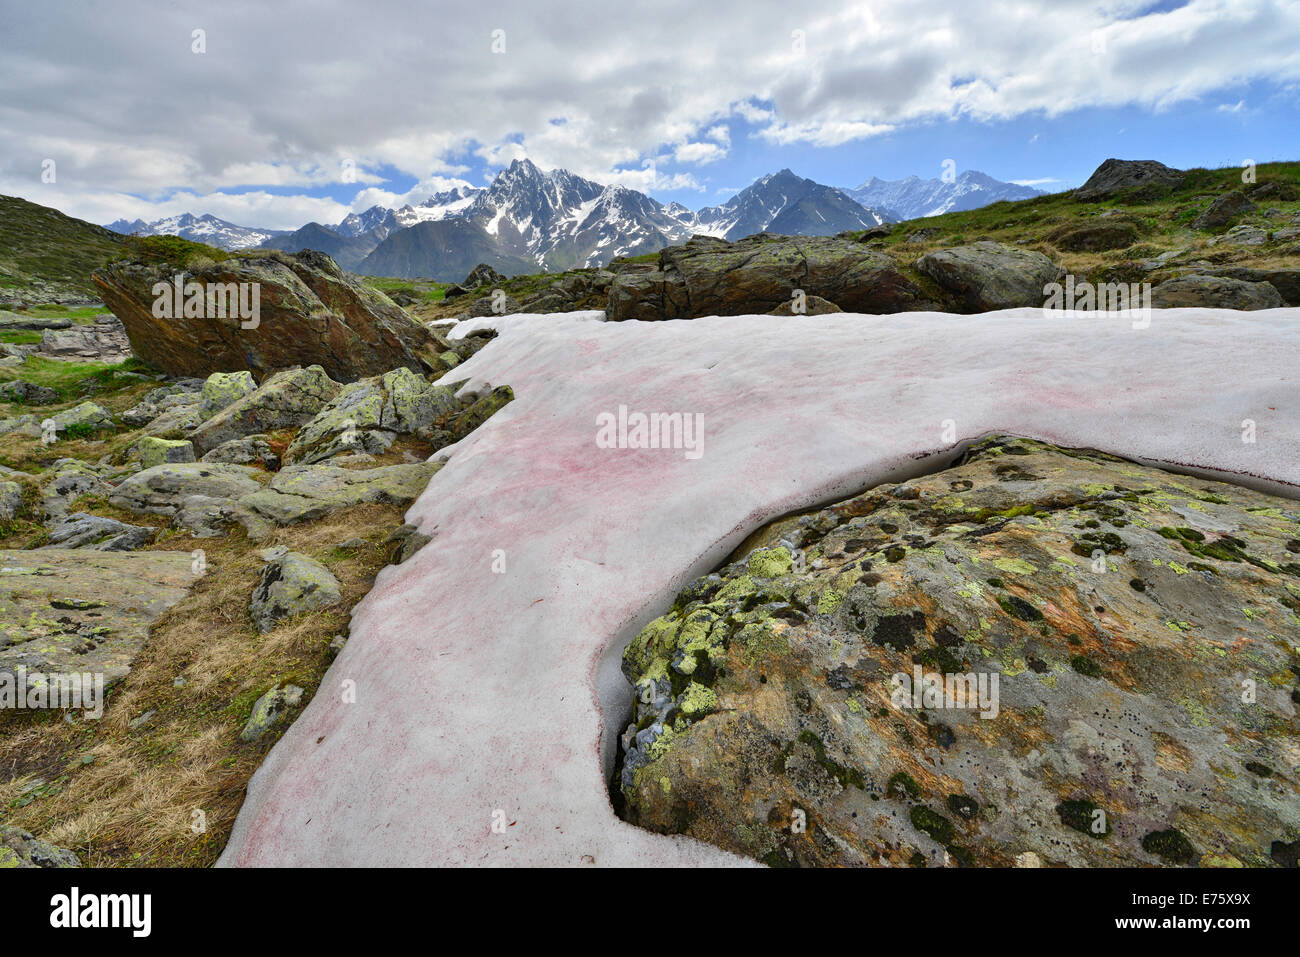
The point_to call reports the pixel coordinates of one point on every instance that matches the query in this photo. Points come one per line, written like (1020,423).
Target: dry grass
(129,798)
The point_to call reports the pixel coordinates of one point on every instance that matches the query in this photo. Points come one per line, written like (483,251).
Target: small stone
(270,710)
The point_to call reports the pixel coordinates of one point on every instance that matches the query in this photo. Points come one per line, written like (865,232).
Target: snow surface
(478,691)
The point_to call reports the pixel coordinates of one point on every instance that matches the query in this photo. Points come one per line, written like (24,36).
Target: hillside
(1137,235)
(46,256)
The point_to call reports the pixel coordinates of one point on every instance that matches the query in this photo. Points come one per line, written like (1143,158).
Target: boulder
(105,340)
(86,416)
(160,400)
(291,584)
(27,393)
(84,610)
(1035,655)
(1116,176)
(270,710)
(1215,292)
(367,415)
(161,490)
(253,450)
(494,306)
(482,275)
(812,306)
(1096,236)
(286,400)
(309,312)
(80,530)
(222,389)
(300,493)
(708,276)
(155,451)
(20,849)
(984,276)
(1285,281)
(1224,211)
(11,500)
(1242,236)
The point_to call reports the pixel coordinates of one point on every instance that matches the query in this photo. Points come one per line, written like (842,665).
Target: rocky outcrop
(84,610)
(1224,211)
(309,312)
(1285,281)
(986,275)
(1037,656)
(708,276)
(300,493)
(1096,236)
(1216,292)
(291,584)
(287,399)
(1116,176)
(811,306)
(104,340)
(21,849)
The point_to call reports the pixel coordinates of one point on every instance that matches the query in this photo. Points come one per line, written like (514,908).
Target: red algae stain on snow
(475,732)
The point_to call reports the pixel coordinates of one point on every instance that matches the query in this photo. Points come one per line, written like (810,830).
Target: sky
(277,114)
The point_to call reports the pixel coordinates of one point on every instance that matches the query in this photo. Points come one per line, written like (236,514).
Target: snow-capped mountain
(203,229)
(530,219)
(913,197)
(558,220)
(782,202)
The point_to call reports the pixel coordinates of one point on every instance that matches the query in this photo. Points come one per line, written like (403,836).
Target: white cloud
(699,153)
(282,98)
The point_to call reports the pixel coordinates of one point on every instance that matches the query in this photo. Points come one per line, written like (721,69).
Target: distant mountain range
(530,220)
(915,198)
(201,229)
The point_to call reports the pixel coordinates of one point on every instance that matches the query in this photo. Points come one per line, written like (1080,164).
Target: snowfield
(479,692)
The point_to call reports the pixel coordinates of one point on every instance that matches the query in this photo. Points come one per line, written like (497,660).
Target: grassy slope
(1162,223)
(120,796)
(42,243)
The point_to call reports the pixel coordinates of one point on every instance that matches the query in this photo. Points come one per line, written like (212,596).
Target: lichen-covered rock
(986,275)
(27,393)
(287,399)
(11,500)
(161,490)
(301,493)
(708,276)
(221,389)
(19,848)
(1039,654)
(1219,292)
(270,710)
(83,610)
(367,415)
(253,450)
(81,530)
(155,451)
(184,392)
(290,585)
(87,415)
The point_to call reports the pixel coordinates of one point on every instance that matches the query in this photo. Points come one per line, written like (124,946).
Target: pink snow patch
(479,695)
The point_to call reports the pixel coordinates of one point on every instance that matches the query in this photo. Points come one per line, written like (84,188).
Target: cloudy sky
(274,114)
